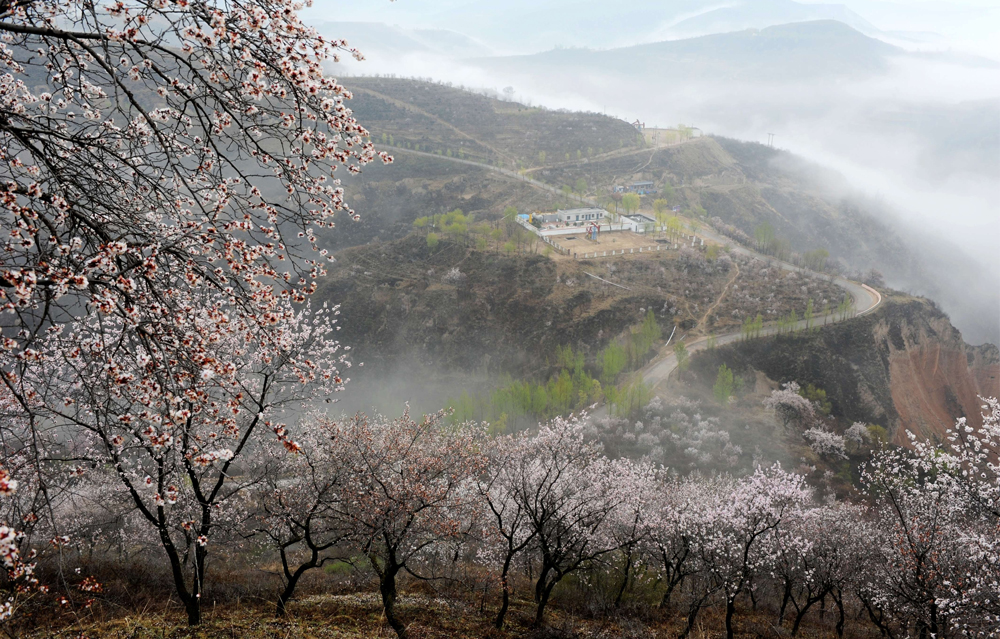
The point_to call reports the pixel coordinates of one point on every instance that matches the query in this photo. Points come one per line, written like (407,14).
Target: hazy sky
(967,25)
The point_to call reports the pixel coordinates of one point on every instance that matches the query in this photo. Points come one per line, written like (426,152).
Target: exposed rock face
(934,375)
(904,367)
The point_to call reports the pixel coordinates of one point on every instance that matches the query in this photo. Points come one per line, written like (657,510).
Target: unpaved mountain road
(864,300)
(514,175)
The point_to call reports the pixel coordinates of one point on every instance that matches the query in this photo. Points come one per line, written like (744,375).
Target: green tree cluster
(631,202)
(453,223)
(674,227)
(629,352)
(845,309)
(668,193)
(516,402)
(724,385)
(629,398)
(570,389)
(683,358)
(818,397)
(767,242)
(816,260)
(752,327)
(786,323)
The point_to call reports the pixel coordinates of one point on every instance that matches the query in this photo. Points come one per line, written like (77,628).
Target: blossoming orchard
(166,170)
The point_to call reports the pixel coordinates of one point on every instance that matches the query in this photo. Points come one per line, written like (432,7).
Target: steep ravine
(904,367)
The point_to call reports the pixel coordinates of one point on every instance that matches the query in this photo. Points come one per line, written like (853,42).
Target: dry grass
(358,616)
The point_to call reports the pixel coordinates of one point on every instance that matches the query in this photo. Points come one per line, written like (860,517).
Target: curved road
(496,169)
(864,300)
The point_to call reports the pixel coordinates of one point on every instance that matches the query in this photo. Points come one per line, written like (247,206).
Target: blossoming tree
(171,423)
(164,167)
(733,536)
(407,488)
(791,408)
(569,492)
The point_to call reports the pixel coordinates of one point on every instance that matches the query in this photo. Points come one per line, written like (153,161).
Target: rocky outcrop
(904,367)
(934,375)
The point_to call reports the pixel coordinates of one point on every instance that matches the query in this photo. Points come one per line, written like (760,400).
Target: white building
(638,223)
(571,216)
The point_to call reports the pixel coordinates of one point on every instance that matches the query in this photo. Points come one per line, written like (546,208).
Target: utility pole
(770,140)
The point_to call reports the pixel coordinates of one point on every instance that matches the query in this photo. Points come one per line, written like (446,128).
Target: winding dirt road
(864,299)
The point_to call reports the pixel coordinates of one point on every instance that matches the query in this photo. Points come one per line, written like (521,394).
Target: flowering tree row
(919,556)
(423,499)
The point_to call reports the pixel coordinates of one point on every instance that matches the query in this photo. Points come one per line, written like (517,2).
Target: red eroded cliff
(934,376)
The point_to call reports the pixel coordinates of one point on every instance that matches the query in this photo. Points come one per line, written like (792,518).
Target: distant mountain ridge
(803,50)
(522,26)
(761,14)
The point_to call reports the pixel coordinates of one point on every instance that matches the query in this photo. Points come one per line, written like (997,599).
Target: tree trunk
(809,602)
(799,617)
(287,593)
(387,587)
(665,600)
(784,601)
(692,615)
(505,595)
(193,608)
(628,572)
(540,610)
(730,610)
(540,582)
(192,603)
(293,579)
(883,629)
(839,600)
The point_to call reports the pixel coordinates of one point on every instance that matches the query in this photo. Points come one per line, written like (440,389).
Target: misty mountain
(802,51)
(528,27)
(761,14)
(523,26)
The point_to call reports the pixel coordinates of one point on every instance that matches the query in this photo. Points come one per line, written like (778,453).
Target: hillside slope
(452,310)
(442,118)
(743,184)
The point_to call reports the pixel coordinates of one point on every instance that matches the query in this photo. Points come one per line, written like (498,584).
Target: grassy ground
(358,616)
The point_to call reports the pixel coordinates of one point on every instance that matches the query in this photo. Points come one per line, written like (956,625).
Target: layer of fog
(969,26)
